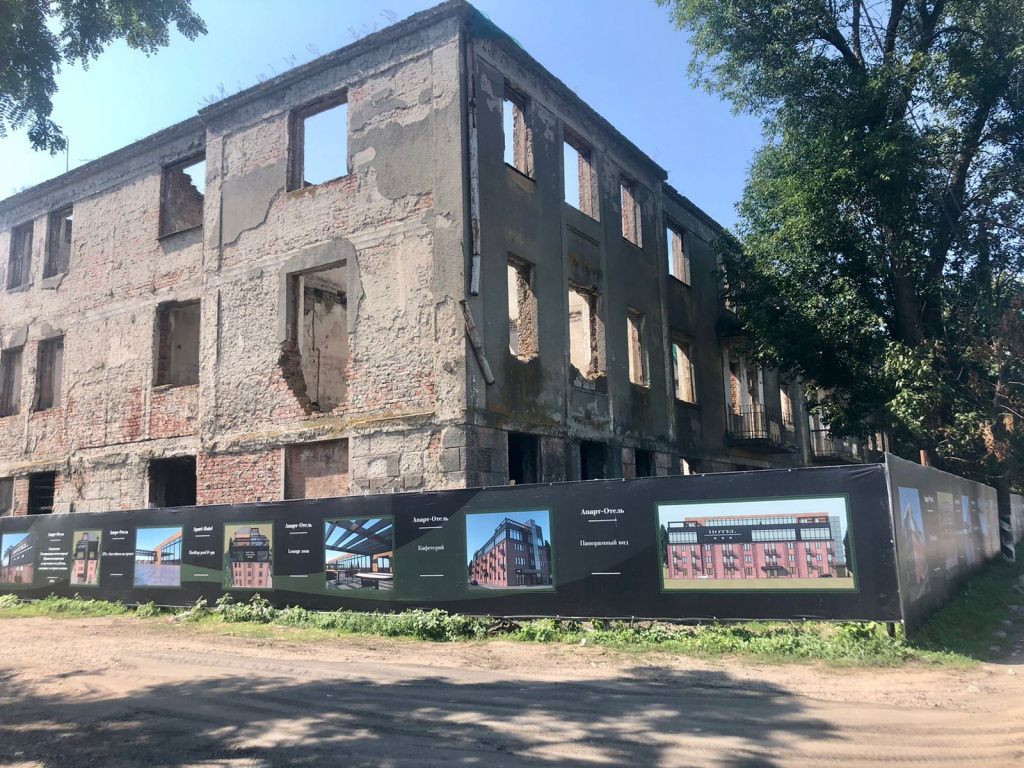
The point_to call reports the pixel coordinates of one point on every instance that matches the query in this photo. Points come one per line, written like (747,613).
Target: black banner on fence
(946,527)
(808,543)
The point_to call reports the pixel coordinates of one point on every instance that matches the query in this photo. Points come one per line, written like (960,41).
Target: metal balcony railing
(824,446)
(759,423)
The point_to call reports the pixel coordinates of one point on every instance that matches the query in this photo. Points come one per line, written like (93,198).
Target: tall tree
(879,251)
(38,36)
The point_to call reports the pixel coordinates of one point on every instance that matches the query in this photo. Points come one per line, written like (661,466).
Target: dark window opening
(592,460)
(177,354)
(58,244)
(184,187)
(20,265)
(523,458)
(50,374)
(10,381)
(319,146)
(172,482)
(42,488)
(644,463)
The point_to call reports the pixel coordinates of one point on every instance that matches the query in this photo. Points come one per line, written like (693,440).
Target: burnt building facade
(489,284)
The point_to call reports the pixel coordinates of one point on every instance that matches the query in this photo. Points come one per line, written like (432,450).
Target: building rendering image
(535,302)
(756,545)
(85,558)
(158,557)
(509,550)
(17,558)
(249,556)
(358,554)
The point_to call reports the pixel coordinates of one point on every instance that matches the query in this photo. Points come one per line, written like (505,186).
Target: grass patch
(959,635)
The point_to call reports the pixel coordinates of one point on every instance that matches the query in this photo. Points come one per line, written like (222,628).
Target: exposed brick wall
(237,478)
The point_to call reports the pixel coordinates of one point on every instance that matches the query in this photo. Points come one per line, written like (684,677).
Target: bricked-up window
(523,458)
(318,332)
(678,258)
(586,333)
(522,310)
(42,487)
(518,135)
(631,229)
(19,266)
(10,381)
(316,470)
(638,372)
(177,353)
(184,187)
(172,482)
(319,144)
(580,176)
(49,374)
(58,242)
(593,460)
(682,371)
(6,497)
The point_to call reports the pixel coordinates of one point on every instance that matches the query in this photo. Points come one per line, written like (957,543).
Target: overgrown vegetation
(960,634)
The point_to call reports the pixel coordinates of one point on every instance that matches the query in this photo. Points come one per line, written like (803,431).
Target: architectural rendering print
(248,556)
(85,558)
(17,558)
(509,550)
(158,557)
(358,554)
(776,544)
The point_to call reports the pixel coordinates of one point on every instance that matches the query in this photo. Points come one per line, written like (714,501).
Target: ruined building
(490,284)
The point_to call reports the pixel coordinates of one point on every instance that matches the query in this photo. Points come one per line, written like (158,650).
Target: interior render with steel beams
(476,281)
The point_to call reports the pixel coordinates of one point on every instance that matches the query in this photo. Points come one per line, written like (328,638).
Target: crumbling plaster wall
(528,218)
(105,305)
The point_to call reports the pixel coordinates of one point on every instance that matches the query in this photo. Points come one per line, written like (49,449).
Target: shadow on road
(646,717)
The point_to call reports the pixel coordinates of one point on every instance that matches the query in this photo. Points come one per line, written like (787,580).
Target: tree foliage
(38,36)
(879,250)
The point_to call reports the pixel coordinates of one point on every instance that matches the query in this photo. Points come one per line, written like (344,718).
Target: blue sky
(828,505)
(149,538)
(480,526)
(624,58)
(7,541)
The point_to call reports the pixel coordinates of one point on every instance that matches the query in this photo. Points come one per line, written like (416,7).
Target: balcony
(761,428)
(826,449)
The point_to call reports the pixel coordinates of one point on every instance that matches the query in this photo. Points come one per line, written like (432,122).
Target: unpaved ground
(123,692)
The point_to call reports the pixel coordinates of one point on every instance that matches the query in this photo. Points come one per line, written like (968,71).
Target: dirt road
(123,692)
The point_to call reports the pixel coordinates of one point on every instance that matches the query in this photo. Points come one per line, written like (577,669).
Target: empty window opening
(682,371)
(689,466)
(592,460)
(177,363)
(20,265)
(41,492)
(316,470)
(50,374)
(58,243)
(644,463)
(10,381)
(678,258)
(631,229)
(522,310)
(319,145)
(638,373)
(183,195)
(172,482)
(319,330)
(580,176)
(6,497)
(518,136)
(786,401)
(523,459)
(586,333)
